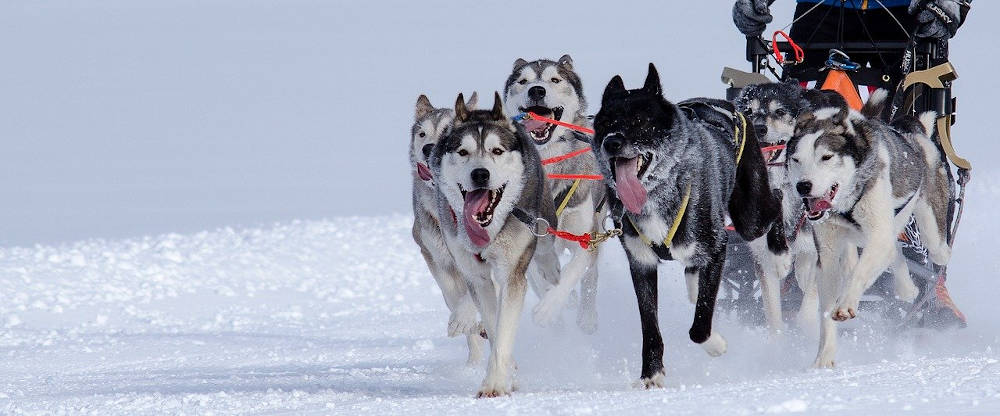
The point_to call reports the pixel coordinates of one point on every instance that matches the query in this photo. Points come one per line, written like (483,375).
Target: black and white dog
(674,171)
(486,171)
(862,179)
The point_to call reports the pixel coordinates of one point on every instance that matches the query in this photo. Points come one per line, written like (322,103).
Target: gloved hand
(938,19)
(752,16)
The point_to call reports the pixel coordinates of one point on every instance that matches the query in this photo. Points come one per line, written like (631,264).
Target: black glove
(938,19)
(752,16)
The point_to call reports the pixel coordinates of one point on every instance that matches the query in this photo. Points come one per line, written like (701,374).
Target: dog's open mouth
(773,152)
(628,173)
(817,207)
(478,210)
(423,172)
(541,131)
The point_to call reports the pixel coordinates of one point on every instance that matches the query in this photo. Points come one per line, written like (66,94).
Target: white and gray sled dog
(862,180)
(553,89)
(773,109)
(428,126)
(487,173)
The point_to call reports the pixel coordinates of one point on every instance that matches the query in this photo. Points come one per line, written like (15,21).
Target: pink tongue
(532,124)
(475,202)
(630,191)
(819,205)
(423,172)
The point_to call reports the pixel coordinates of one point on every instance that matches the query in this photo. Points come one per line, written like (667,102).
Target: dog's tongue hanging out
(630,190)
(476,202)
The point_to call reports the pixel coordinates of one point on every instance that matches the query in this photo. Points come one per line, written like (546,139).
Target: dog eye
(497,151)
(555,80)
(523,81)
(795,160)
(826,157)
(463,152)
(422,134)
(780,112)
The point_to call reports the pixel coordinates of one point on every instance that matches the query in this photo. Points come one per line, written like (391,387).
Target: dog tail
(925,138)
(928,119)
(876,104)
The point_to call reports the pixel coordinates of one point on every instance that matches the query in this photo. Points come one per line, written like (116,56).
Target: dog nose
(613,144)
(761,131)
(480,177)
(804,188)
(427,150)
(536,93)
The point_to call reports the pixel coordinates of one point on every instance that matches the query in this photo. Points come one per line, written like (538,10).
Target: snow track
(341,317)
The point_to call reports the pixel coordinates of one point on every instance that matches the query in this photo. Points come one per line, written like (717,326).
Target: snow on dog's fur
(553,89)
(484,168)
(774,108)
(428,126)
(861,180)
(650,152)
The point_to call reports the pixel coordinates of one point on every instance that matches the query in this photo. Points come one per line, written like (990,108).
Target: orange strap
(584,239)
(574,176)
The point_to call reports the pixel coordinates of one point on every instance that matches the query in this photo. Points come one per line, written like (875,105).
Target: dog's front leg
(774,267)
(543,272)
(832,250)
(548,310)
(878,254)
(512,285)
(644,282)
(709,278)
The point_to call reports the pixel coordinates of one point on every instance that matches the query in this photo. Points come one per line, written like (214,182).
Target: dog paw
(823,363)
(586,319)
(845,310)
(906,291)
(463,321)
(655,381)
(493,389)
(715,345)
(547,311)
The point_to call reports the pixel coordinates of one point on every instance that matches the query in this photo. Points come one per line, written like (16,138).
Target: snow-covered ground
(341,317)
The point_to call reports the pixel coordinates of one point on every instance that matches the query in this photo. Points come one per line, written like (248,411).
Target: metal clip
(598,238)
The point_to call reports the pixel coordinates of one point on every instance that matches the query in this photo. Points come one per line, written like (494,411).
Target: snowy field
(341,317)
(126,118)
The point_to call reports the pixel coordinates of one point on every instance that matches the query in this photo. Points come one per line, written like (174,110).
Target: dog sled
(925,85)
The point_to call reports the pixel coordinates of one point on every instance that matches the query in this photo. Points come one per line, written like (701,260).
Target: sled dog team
(675,175)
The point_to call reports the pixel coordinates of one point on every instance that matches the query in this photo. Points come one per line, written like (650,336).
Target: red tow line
(799,54)
(580,129)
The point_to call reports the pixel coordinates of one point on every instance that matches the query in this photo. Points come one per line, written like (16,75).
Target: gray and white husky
(487,172)
(553,89)
(428,126)
(674,171)
(862,179)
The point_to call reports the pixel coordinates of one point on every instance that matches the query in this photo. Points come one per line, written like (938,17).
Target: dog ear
(473,101)
(566,61)
(461,112)
(497,107)
(652,84)
(615,87)
(519,63)
(424,106)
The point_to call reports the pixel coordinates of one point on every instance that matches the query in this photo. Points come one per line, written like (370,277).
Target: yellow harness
(565,201)
(739,140)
